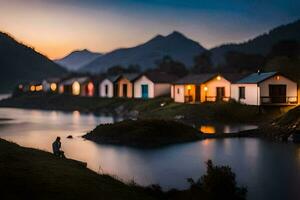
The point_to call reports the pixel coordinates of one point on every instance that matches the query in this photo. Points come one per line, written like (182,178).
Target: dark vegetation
(33,174)
(20,63)
(143,133)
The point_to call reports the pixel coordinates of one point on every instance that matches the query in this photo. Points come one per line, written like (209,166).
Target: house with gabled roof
(123,85)
(107,88)
(198,88)
(153,84)
(269,88)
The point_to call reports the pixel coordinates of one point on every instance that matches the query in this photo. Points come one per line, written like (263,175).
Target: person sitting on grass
(56,145)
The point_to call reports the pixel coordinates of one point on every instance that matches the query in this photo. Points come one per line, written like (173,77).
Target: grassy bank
(144,133)
(159,108)
(284,126)
(32,174)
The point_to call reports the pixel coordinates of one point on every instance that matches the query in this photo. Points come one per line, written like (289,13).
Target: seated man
(56,148)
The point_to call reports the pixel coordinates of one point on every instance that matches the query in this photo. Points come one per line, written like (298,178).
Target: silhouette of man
(56,145)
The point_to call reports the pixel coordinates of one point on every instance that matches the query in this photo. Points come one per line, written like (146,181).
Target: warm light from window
(189,87)
(90,88)
(219,78)
(53,87)
(205,88)
(208,129)
(277,78)
(76,88)
(32,88)
(39,88)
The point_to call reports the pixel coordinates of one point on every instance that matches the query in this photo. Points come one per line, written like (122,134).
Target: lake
(269,170)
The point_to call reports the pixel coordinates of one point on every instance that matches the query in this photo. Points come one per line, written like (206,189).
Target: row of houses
(269,88)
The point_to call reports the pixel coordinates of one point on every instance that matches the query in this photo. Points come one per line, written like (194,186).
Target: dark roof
(257,77)
(130,77)
(234,77)
(159,77)
(195,78)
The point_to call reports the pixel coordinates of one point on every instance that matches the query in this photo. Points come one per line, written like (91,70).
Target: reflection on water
(269,170)
(225,128)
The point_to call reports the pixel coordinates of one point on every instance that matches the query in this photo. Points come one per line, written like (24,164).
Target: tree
(286,48)
(203,63)
(218,183)
(168,65)
(242,62)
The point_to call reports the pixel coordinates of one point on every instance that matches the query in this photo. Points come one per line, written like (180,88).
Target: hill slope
(261,44)
(175,45)
(77,59)
(20,63)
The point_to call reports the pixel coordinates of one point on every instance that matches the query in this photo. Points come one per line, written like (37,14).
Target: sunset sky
(57,27)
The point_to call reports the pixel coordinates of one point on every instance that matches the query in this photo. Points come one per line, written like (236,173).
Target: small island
(146,133)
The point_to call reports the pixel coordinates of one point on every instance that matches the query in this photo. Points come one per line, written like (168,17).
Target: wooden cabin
(270,88)
(124,85)
(201,88)
(154,84)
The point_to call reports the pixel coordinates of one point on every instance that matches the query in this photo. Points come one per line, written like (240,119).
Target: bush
(218,183)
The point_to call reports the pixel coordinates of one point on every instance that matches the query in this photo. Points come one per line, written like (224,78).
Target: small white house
(154,84)
(269,88)
(106,87)
(201,88)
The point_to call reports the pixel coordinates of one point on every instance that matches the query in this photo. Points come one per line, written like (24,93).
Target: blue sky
(55,27)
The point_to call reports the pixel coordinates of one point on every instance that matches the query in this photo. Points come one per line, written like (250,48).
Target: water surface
(270,170)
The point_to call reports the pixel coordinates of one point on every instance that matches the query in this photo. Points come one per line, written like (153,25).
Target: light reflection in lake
(225,128)
(269,170)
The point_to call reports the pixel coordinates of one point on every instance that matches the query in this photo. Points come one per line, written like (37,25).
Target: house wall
(138,87)
(212,88)
(252,93)
(110,85)
(291,87)
(179,93)
(172,92)
(121,82)
(161,89)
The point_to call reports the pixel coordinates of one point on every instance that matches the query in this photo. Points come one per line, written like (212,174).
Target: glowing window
(219,78)
(90,88)
(76,88)
(53,87)
(205,88)
(32,88)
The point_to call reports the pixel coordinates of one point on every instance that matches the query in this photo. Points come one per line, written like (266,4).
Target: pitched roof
(130,77)
(257,77)
(72,80)
(195,79)
(159,77)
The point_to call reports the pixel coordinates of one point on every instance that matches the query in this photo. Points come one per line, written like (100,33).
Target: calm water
(270,170)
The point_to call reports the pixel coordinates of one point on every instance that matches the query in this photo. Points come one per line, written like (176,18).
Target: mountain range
(20,63)
(183,49)
(145,55)
(259,45)
(77,59)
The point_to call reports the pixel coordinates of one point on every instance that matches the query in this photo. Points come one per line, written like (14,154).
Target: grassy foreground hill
(33,174)
(20,63)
